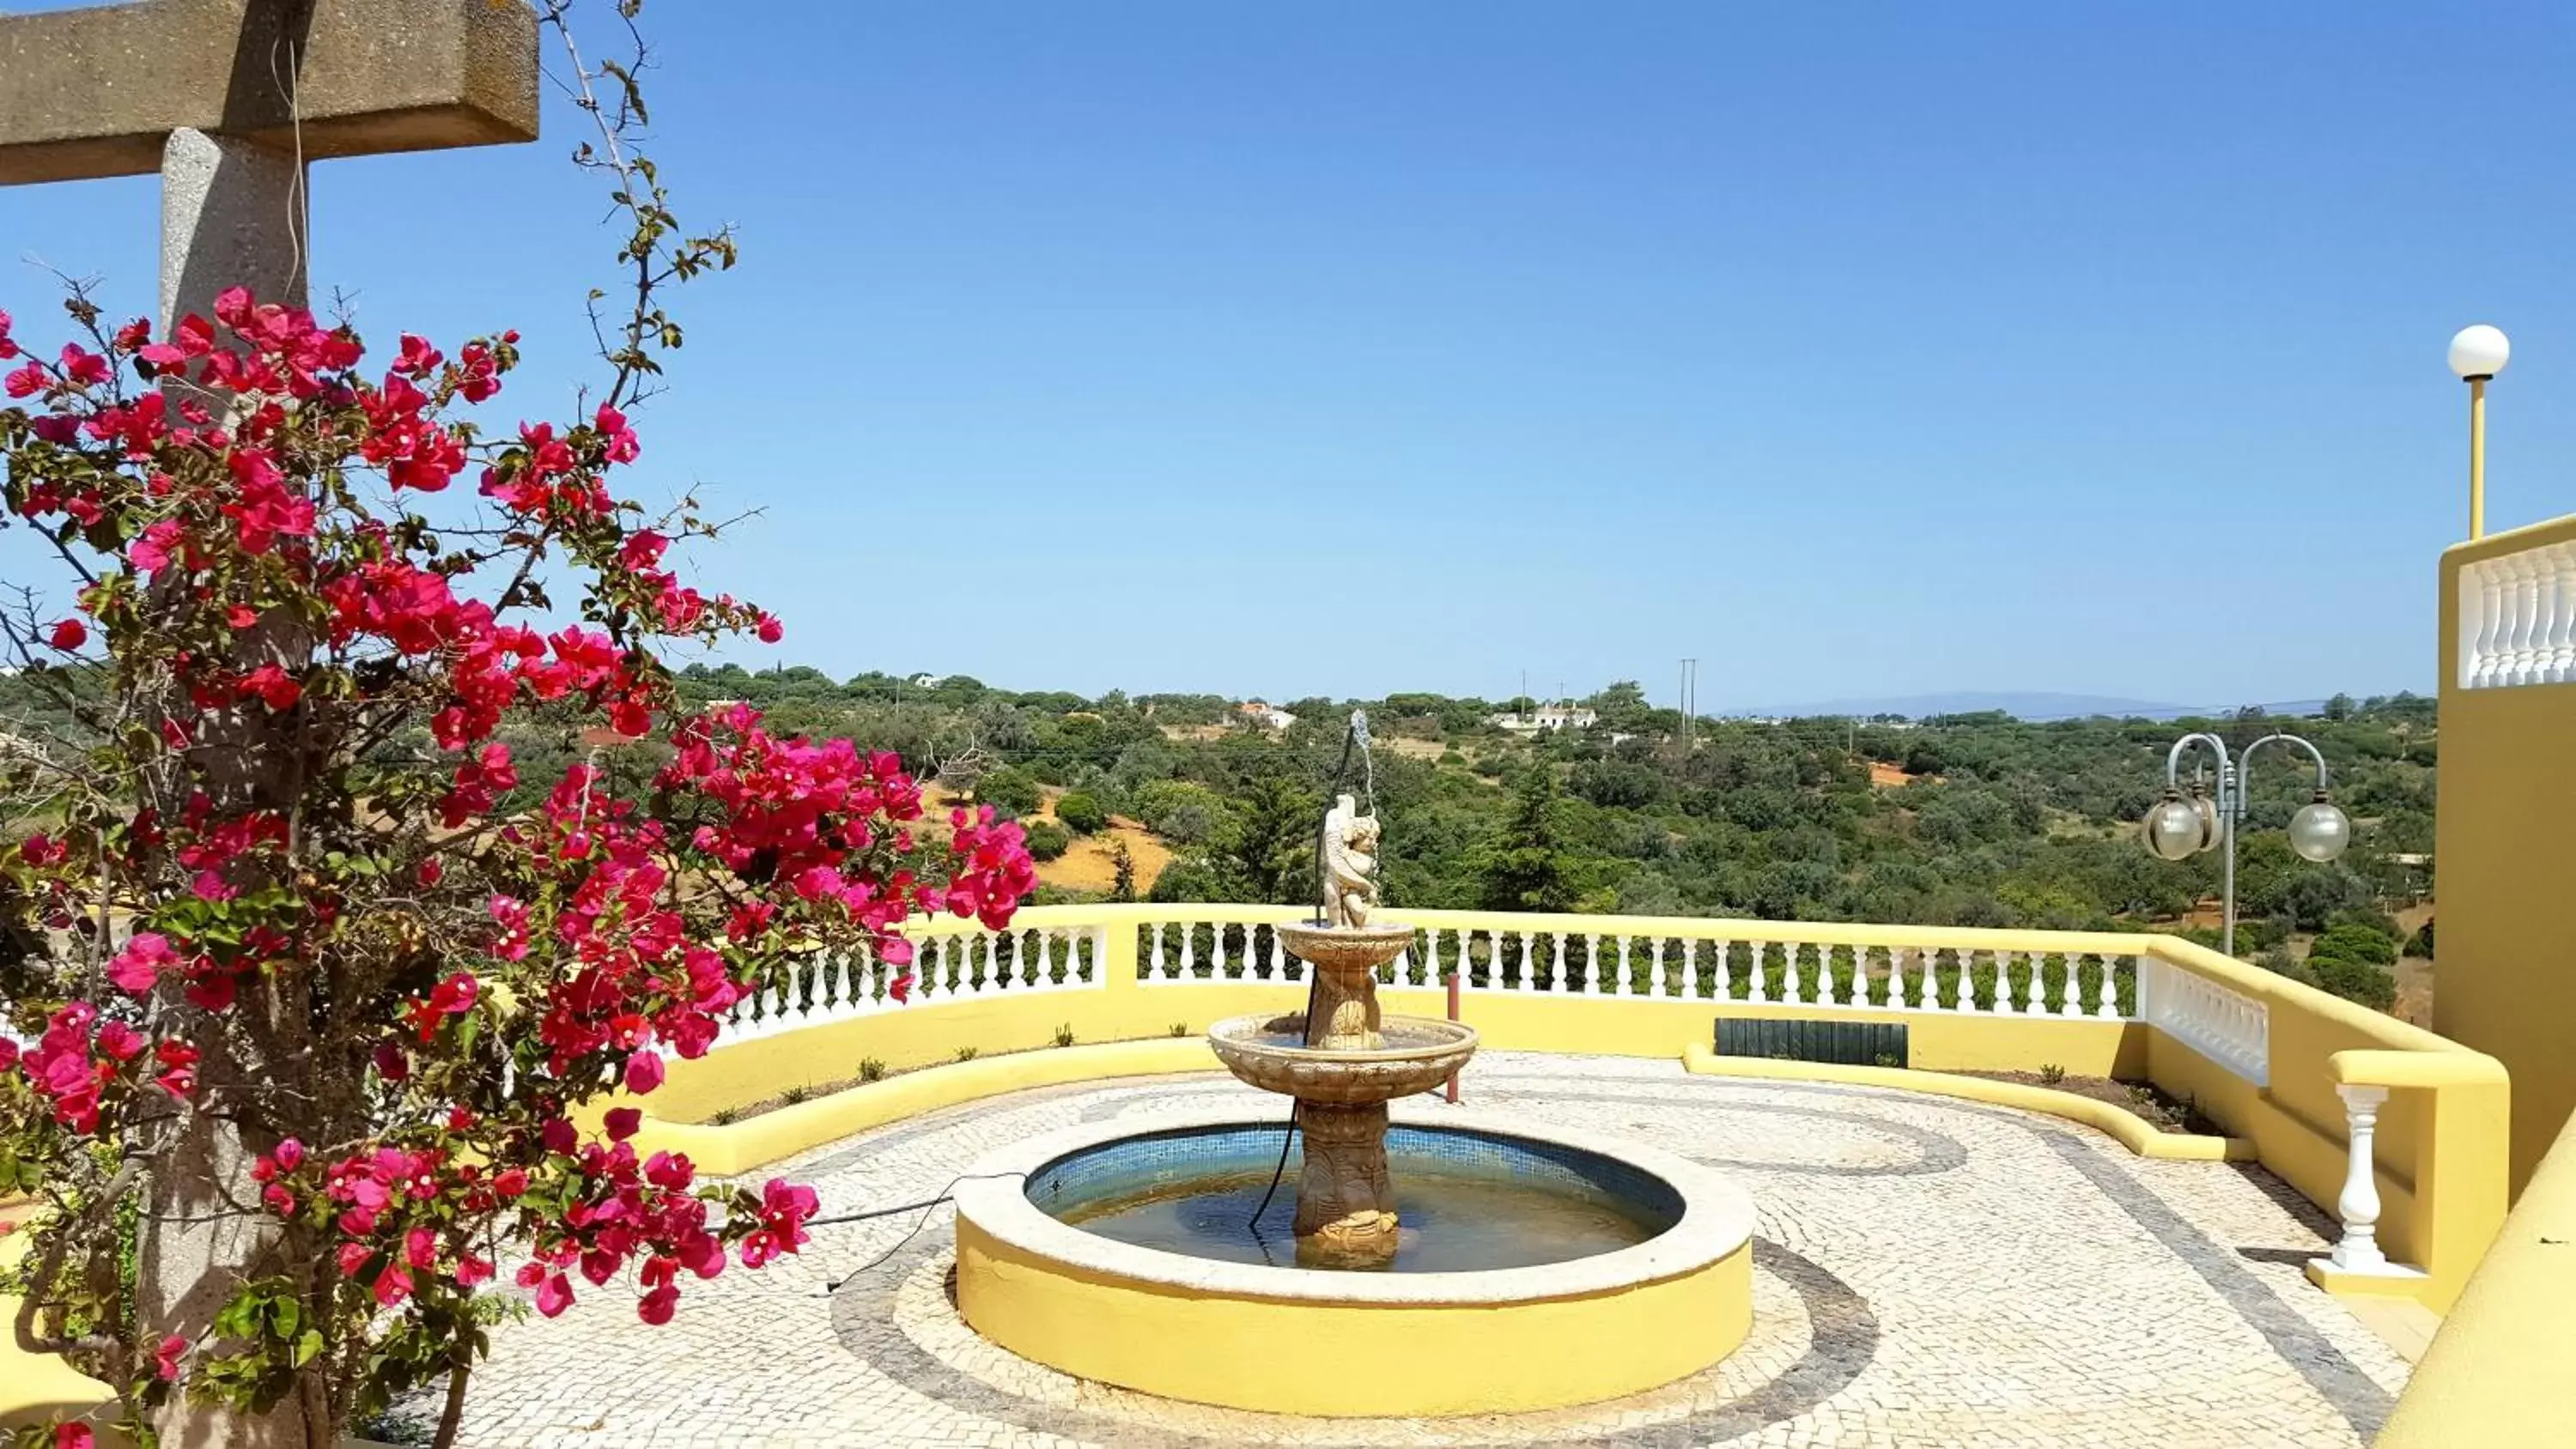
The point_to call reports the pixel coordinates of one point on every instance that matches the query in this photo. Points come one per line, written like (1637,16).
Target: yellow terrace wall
(2442,1136)
(2440,1150)
(2502,1369)
(2505,951)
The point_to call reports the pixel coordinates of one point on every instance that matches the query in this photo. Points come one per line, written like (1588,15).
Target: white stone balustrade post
(2359,1250)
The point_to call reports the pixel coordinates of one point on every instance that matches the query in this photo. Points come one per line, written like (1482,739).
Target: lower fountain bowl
(1539,1268)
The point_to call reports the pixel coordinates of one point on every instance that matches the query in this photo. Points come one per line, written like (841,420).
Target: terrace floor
(1928,1272)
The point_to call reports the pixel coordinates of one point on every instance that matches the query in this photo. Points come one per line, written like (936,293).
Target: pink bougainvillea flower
(75,1436)
(643,1072)
(900,988)
(554,1295)
(139,964)
(166,1356)
(68,634)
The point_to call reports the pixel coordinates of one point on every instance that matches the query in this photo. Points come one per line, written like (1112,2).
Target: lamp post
(2177,828)
(2478,353)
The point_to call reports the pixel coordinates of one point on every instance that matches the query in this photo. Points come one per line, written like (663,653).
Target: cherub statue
(1350,859)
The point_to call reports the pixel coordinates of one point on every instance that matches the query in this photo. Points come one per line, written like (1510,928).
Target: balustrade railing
(2516,618)
(2221,1023)
(951,962)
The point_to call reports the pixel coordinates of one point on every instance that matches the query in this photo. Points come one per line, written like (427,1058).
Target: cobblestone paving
(1927,1272)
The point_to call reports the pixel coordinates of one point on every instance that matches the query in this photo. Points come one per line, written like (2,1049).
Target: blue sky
(1340,348)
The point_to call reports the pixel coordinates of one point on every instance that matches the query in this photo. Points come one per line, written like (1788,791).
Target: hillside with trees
(1968,820)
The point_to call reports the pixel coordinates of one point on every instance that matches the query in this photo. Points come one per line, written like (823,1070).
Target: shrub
(1008,789)
(1080,813)
(2360,981)
(1180,1028)
(2421,943)
(871,1069)
(2354,941)
(796,1094)
(1064,1035)
(1890,1059)
(1046,840)
(726,1116)
(2050,1074)
(966,1053)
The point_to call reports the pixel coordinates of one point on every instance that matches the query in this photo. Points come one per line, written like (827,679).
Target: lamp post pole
(2177,828)
(2477,457)
(2477,354)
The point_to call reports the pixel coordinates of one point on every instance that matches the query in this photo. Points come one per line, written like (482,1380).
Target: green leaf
(308,1347)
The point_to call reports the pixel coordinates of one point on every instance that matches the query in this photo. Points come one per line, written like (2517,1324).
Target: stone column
(233,214)
(1346,1011)
(1345,1205)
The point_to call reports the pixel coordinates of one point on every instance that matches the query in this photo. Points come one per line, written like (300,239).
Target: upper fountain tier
(1346,1054)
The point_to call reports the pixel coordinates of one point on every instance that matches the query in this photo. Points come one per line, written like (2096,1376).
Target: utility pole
(1690,703)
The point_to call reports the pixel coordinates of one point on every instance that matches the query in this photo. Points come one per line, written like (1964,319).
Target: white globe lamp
(2479,352)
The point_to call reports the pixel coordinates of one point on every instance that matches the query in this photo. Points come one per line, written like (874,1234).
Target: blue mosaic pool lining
(1150,1160)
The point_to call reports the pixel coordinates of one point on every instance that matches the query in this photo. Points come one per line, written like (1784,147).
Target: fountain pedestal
(1352,1061)
(1345,1203)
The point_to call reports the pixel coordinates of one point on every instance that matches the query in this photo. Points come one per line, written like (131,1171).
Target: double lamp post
(2178,827)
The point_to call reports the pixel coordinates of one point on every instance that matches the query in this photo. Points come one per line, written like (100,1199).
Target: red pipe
(1453,1016)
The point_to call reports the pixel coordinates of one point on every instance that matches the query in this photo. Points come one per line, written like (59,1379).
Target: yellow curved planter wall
(1339,1360)
(2128,1128)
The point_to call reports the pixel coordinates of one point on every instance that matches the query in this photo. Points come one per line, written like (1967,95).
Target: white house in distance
(1560,715)
(1263,714)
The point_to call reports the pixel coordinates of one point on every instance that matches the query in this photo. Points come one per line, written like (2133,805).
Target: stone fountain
(1342,1059)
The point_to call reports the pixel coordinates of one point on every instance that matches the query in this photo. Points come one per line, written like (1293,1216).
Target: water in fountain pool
(1470,1202)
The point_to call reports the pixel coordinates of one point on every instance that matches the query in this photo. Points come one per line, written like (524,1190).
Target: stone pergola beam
(97,92)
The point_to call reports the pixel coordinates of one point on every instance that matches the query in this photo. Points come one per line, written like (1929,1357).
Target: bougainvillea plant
(325,1025)
(290,984)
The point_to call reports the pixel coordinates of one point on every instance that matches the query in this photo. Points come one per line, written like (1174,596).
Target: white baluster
(1661,986)
(1592,964)
(1622,967)
(2478,668)
(1927,978)
(2108,1007)
(1278,957)
(1431,953)
(1046,955)
(1688,985)
(2560,664)
(1189,950)
(1761,986)
(1559,980)
(2359,1251)
(1156,966)
(1529,964)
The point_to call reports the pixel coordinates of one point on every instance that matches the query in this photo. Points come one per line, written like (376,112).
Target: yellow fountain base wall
(1344,1360)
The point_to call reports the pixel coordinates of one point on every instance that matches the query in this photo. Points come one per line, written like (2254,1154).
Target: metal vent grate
(1851,1043)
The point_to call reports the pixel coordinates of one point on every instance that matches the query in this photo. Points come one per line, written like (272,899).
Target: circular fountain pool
(1537,1268)
(1470,1201)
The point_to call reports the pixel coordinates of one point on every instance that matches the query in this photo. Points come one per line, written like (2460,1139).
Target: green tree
(1527,867)
(1081,813)
(1046,839)
(1122,886)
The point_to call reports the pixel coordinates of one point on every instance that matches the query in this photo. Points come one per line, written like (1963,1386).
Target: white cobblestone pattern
(1928,1272)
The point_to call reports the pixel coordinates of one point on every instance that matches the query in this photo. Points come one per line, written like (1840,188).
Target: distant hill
(2022,704)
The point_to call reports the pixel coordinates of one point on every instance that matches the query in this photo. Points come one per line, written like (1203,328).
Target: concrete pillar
(233,214)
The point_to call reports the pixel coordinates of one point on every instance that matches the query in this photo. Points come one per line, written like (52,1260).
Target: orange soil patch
(1885,776)
(1087,865)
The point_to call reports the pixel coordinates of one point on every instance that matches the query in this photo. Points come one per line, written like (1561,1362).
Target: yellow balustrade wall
(2505,950)
(2440,1147)
(2439,1154)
